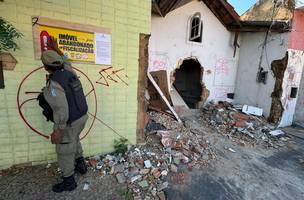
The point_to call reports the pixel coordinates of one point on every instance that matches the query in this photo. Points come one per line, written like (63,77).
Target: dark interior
(188,82)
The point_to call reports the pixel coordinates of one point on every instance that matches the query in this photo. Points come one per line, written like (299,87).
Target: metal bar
(163,97)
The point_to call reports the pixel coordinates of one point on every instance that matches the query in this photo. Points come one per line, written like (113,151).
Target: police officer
(64,103)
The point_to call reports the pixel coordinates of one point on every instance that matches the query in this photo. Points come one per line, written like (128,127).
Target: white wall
(169,43)
(295,78)
(292,78)
(247,90)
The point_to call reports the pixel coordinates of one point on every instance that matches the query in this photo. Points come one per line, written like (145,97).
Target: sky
(241,6)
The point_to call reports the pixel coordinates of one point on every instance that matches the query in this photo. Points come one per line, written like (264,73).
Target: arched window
(196,28)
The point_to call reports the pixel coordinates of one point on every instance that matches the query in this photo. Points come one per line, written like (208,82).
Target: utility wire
(264,47)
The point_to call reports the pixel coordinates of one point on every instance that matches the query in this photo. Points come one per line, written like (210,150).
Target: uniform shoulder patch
(53,92)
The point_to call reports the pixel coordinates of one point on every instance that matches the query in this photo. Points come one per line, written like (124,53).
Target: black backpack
(74,93)
(46,108)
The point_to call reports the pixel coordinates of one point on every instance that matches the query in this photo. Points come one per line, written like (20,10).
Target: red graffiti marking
(159,64)
(158,61)
(106,77)
(29,92)
(221,67)
(20,105)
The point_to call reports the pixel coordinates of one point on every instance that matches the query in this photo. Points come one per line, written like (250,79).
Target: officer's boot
(68,184)
(80,165)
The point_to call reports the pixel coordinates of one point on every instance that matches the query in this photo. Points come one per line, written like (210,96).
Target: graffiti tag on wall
(225,72)
(23,99)
(221,67)
(27,95)
(108,75)
(158,61)
(293,75)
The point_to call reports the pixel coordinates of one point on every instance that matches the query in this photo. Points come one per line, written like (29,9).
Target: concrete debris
(145,168)
(86,186)
(120,178)
(143,184)
(164,173)
(276,132)
(99,165)
(135,178)
(232,150)
(48,165)
(144,171)
(148,164)
(173,168)
(252,110)
(229,120)
(162,186)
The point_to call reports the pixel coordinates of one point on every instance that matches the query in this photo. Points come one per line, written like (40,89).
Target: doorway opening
(188,81)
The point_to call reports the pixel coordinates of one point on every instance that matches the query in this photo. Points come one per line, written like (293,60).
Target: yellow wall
(117,104)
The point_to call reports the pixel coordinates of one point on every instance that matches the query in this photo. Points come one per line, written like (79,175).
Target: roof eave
(262,26)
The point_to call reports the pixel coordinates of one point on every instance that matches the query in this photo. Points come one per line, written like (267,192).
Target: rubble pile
(145,168)
(229,120)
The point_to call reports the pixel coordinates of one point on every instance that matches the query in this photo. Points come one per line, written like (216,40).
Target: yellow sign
(76,45)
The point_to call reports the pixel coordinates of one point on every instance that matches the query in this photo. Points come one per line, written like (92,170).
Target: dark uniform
(68,110)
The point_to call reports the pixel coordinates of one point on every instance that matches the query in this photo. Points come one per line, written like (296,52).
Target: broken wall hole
(278,68)
(188,81)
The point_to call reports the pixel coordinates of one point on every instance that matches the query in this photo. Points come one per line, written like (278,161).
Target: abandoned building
(186,99)
(236,55)
(198,51)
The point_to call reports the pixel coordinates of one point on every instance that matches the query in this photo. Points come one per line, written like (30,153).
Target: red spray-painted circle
(20,105)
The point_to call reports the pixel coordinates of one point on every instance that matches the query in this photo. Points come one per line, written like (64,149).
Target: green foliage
(8,34)
(120,146)
(126,193)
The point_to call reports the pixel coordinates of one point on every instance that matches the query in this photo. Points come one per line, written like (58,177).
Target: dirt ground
(239,172)
(36,183)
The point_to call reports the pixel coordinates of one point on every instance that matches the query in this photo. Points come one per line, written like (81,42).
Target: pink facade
(296,40)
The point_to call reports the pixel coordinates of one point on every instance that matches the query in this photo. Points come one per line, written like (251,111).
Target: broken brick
(173,168)
(93,162)
(156,172)
(240,124)
(141,162)
(178,145)
(144,171)
(240,116)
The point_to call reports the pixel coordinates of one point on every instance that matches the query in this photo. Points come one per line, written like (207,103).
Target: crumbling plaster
(292,79)
(299,113)
(247,90)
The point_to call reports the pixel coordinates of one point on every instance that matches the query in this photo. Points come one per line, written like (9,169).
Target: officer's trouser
(69,147)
